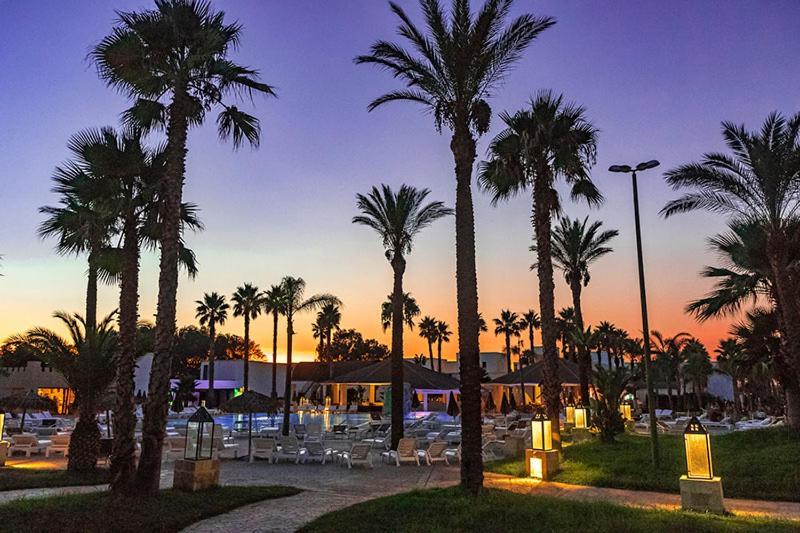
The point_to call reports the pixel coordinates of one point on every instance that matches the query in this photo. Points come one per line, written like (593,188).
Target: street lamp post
(651,397)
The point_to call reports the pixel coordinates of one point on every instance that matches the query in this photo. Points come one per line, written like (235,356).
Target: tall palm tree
(330,318)
(531,322)
(410,310)
(565,325)
(442,335)
(274,304)
(428,330)
(508,325)
(212,310)
(606,331)
(295,302)
(697,367)
(175,62)
(759,182)
(398,217)
(454,68)
(730,354)
(549,140)
(86,360)
(575,246)
(248,302)
(670,356)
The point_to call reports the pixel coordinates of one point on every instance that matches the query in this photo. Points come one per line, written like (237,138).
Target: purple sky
(656,77)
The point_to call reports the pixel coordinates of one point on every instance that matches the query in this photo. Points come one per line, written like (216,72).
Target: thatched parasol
(512,402)
(250,402)
(490,406)
(452,406)
(415,403)
(27,401)
(504,404)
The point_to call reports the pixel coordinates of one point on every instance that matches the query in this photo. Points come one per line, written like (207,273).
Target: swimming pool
(326,420)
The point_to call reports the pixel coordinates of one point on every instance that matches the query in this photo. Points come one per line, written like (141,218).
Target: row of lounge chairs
(30,444)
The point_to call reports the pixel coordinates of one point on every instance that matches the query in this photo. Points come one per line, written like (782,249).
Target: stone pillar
(541,464)
(703,495)
(192,476)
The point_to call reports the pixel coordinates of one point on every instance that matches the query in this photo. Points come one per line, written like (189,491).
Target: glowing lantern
(581,417)
(625,411)
(536,467)
(698,451)
(2,425)
(199,435)
(571,414)
(541,433)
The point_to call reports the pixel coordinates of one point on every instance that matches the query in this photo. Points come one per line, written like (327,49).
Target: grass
(763,464)
(170,511)
(452,509)
(13,478)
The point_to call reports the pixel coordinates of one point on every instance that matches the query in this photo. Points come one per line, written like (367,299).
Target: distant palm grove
(121,195)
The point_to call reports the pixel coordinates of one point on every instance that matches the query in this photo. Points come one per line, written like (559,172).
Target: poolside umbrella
(250,402)
(504,404)
(31,400)
(452,406)
(490,406)
(512,403)
(415,403)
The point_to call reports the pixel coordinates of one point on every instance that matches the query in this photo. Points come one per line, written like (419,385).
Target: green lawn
(12,478)
(763,464)
(451,509)
(170,511)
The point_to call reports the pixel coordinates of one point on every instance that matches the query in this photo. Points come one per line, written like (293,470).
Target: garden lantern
(571,414)
(698,451)
(625,411)
(541,432)
(199,435)
(581,417)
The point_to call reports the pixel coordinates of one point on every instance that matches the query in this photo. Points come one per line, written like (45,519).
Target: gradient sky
(657,78)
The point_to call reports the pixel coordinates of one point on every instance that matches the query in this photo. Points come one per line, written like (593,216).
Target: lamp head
(620,168)
(646,165)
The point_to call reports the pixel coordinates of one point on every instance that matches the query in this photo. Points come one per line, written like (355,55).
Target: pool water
(326,420)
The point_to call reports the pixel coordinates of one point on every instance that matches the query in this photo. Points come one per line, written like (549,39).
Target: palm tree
(584,340)
(212,310)
(698,367)
(398,217)
(330,318)
(606,331)
(531,322)
(86,360)
(442,335)
(274,303)
(730,354)
(175,62)
(410,310)
(482,327)
(565,325)
(758,183)
(248,302)
(428,330)
(576,245)
(670,356)
(508,325)
(295,302)
(552,139)
(453,70)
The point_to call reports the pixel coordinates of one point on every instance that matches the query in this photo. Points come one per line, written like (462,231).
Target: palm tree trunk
(287,389)
(399,267)
(123,458)
(792,395)
(439,352)
(430,352)
(91,293)
(211,398)
(508,353)
(462,145)
(155,412)
(274,354)
(530,338)
(246,351)
(551,389)
(584,359)
(84,444)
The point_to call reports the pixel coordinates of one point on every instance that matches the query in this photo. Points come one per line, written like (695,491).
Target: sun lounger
(27,443)
(315,451)
(58,444)
(222,449)
(406,452)
(174,447)
(452,454)
(339,431)
(379,442)
(288,448)
(358,454)
(266,448)
(435,453)
(299,431)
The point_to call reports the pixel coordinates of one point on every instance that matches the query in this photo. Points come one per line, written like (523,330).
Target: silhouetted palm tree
(508,325)
(295,302)
(759,182)
(549,140)
(428,330)
(670,357)
(442,335)
(175,62)
(531,322)
(398,217)
(453,70)
(248,302)
(274,303)
(212,311)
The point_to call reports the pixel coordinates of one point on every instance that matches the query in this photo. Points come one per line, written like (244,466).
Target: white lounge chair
(315,451)
(452,454)
(266,448)
(358,454)
(224,450)
(174,447)
(58,444)
(27,443)
(406,452)
(288,449)
(435,452)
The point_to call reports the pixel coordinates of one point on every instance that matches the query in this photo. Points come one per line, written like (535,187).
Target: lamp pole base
(540,464)
(703,495)
(192,476)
